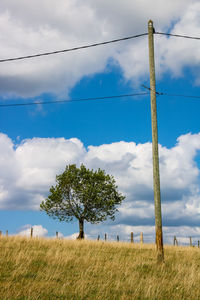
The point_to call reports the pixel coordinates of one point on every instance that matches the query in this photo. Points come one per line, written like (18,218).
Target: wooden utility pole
(156,176)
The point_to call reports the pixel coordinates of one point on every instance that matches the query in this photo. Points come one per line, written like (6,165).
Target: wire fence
(192,241)
(148,239)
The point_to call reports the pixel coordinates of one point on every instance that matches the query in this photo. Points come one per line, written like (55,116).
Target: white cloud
(74,236)
(34,27)
(38,231)
(28,170)
(49,155)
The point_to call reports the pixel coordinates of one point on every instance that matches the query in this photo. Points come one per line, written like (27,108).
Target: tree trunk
(81,229)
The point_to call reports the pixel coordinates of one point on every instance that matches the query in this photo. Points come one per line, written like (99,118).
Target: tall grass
(59,269)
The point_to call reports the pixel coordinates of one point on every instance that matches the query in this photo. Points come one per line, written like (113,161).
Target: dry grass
(57,269)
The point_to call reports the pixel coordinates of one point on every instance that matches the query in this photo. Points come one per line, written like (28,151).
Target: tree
(84,194)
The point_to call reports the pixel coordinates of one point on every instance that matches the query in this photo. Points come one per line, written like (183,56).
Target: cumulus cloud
(29,28)
(74,236)
(28,169)
(38,231)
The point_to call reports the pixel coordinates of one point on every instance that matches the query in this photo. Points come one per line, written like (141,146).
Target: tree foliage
(83,194)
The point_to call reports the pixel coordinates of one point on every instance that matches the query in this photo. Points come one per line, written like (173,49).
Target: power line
(171,95)
(73,100)
(94,45)
(73,49)
(98,98)
(179,35)
(178,95)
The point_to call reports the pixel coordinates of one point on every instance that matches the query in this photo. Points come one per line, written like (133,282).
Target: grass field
(60,269)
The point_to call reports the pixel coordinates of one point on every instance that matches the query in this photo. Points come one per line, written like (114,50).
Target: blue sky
(115,134)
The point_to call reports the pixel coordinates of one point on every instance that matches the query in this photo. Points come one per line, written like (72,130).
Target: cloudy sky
(37,142)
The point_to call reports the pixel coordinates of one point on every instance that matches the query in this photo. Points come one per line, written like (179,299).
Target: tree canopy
(84,194)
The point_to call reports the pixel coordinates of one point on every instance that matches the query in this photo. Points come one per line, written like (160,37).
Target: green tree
(84,194)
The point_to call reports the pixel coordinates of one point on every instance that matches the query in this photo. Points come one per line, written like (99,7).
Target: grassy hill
(58,269)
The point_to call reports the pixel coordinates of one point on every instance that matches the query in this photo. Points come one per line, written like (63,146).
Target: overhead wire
(90,46)
(170,95)
(178,95)
(98,98)
(73,49)
(178,35)
(73,100)
(94,45)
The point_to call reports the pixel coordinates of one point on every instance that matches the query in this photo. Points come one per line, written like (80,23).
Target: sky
(37,142)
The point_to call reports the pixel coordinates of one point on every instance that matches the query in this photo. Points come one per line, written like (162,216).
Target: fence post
(175,241)
(98,238)
(105,237)
(131,237)
(117,238)
(31,232)
(56,234)
(6,232)
(198,244)
(190,241)
(141,238)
